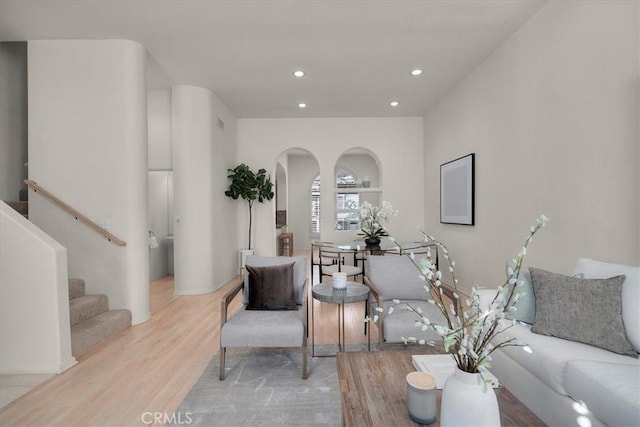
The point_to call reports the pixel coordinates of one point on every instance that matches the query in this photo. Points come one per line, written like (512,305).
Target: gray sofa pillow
(583,310)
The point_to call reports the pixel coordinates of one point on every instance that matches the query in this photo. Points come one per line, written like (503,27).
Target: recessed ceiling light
(394,103)
(298,73)
(416,72)
(302,105)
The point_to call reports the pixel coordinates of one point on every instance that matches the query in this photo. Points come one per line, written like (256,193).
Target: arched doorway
(295,196)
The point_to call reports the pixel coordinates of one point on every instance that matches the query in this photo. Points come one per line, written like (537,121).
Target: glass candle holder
(339,280)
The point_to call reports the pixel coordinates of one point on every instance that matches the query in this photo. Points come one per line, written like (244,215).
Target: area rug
(264,387)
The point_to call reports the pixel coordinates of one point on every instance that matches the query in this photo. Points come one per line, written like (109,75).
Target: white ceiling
(357,54)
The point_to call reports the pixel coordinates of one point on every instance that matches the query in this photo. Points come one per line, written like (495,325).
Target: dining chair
(315,257)
(332,261)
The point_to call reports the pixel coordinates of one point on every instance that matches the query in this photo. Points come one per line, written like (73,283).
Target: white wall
(302,170)
(88,146)
(552,116)
(281,181)
(160,159)
(13,118)
(159,204)
(34,299)
(159,118)
(397,142)
(205,246)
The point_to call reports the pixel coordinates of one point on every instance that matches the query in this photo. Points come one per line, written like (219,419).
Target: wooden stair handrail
(80,217)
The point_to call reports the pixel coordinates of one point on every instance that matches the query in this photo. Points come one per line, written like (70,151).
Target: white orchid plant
(470,330)
(372,217)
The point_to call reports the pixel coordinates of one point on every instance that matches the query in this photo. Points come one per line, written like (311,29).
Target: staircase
(22,205)
(91,319)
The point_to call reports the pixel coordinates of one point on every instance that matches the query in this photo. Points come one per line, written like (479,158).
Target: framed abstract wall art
(457,191)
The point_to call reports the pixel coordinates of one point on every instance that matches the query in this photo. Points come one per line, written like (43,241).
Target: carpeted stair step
(88,333)
(86,307)
(76,288)
(21,207)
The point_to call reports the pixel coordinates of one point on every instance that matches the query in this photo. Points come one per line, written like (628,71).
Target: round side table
(325,292)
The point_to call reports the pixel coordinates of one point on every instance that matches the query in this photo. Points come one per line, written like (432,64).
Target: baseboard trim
(69,363)
(194,291)
(56,369)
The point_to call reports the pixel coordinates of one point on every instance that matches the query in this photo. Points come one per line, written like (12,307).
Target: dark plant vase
(372,242)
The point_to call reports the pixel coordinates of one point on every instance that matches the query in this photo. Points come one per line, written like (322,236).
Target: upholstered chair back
(396,277)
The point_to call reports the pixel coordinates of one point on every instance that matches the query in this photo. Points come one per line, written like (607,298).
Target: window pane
(315,206)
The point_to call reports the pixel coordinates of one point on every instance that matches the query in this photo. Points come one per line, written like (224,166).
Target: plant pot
(372,242)
(466,402)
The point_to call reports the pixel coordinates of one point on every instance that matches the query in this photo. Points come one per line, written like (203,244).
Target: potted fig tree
(250,186)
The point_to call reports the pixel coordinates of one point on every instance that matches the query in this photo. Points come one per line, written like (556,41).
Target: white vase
(466,403)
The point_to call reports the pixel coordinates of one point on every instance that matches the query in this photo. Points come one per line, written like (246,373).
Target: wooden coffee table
(374,391)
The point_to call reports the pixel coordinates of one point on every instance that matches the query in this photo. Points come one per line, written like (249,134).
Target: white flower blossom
(470,333)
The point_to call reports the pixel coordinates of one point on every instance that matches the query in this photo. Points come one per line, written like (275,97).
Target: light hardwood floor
(149,367)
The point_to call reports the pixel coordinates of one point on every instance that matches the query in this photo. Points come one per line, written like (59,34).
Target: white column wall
(397,142)
(552,116)
(88,146)
(205,245)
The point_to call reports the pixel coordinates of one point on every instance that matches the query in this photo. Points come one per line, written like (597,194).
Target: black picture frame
(457,191)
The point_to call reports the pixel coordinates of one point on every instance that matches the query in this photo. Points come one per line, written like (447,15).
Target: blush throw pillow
(271,288)
(583,310)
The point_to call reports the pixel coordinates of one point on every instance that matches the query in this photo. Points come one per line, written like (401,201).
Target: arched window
(315,205)
(347,202)
(357,175)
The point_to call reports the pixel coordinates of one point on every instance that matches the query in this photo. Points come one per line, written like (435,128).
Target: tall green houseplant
(250,186)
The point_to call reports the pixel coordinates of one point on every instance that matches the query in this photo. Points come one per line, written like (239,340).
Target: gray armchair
(396,277)
(267,328)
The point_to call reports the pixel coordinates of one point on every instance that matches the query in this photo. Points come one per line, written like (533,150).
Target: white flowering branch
(469,333)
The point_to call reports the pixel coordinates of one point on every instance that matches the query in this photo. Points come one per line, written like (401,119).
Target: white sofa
(559,373)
